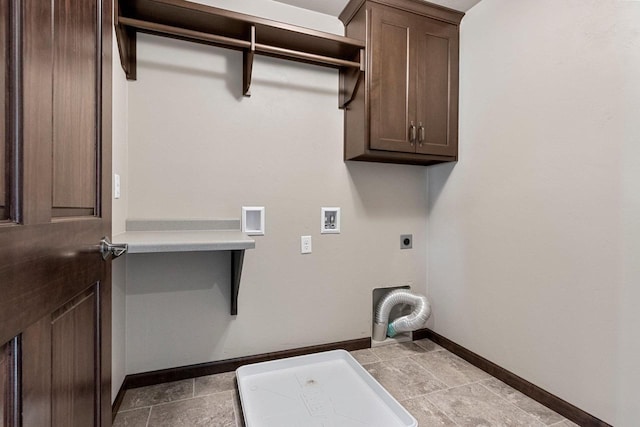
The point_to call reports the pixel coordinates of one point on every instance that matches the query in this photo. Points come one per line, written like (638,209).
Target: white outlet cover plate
(305,245)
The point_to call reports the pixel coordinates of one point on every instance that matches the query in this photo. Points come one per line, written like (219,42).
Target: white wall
(198,149)
(119,215)
(533,234)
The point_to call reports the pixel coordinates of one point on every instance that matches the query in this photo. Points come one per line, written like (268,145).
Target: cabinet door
(437,87)
(390,80)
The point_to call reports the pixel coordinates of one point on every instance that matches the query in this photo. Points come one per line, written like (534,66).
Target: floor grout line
(133,409)
(177,400)
(149,417)
(215,392)
(561,422)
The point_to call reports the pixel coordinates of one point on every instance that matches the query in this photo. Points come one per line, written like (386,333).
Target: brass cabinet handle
(422,133)
(412,133)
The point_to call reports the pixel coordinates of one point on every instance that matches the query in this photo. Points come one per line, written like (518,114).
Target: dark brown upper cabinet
(406,108)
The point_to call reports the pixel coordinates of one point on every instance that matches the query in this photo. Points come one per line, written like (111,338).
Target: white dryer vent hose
(411,322)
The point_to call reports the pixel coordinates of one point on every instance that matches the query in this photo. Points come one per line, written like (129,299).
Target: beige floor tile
(404,378)
(427,344)
(215,383)
(393,351)
(475,405)
(155,394)
(449,368)
(204,411)
(537,410)
(426,413)
(365,356)
(133,418)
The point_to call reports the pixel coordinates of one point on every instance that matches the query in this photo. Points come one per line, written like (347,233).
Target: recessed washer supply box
(329,389)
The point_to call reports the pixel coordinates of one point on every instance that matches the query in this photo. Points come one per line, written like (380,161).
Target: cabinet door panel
(390,80)
(74,364)
(437,87)
(75,91)
(60,365)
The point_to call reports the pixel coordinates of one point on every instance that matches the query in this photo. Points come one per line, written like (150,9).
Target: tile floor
(437,387)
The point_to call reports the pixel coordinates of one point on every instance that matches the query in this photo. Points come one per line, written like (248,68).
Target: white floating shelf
(157,236)
(184,241)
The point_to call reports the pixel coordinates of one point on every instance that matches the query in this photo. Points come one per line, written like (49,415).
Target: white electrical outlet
(305,244)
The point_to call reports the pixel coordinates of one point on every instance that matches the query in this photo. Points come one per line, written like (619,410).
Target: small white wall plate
(330,221)
(253,220)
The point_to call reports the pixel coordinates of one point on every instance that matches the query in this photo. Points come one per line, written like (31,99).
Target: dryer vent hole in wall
(382,328)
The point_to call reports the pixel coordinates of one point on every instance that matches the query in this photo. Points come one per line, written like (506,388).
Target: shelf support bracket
(126,39)
(237,258)
(350,81)
(247,58)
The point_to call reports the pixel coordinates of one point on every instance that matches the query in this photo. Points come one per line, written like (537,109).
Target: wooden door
(390,80)
(55,144)
(4,53)
(437,87)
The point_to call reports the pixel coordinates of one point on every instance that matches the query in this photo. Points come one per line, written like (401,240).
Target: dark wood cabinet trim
(400,158)
(549,400)
(419,7)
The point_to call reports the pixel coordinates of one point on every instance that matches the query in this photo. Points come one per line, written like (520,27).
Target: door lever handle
(112,249)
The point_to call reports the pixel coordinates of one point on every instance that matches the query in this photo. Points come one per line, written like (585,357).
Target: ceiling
(334,7)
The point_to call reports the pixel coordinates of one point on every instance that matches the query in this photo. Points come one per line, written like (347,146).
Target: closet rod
(175,31)
(259,48)
(306,56)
